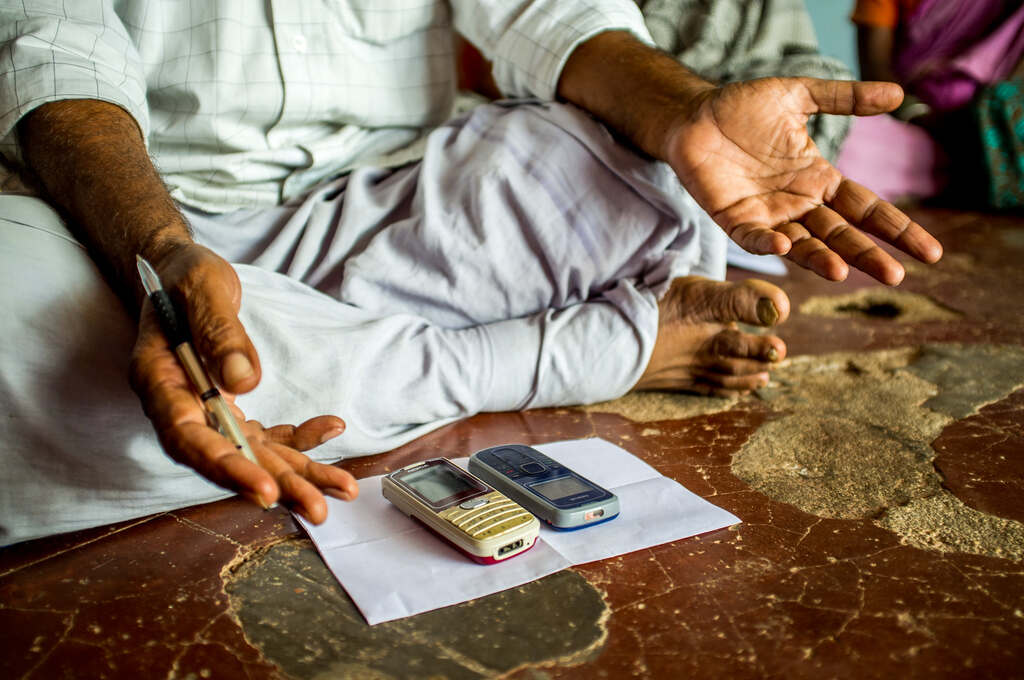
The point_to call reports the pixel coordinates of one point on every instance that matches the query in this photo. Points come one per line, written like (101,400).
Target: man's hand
(206,288)
(92,160)
(745,156)
(743,152)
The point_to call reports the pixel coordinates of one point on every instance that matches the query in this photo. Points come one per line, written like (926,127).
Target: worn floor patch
(969,377)
(942,522)
(879,303)
(292,608)
(854,440)
(648,407)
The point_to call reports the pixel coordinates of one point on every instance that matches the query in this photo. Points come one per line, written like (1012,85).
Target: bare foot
(699,348)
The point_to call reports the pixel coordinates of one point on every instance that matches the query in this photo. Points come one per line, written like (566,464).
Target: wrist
(638,91)
(669,119)
(165,243)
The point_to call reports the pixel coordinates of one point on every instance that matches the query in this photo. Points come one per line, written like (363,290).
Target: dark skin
(875,51)
(91,155)
(742,150)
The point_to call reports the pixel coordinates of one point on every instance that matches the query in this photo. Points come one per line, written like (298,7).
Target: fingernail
(773,354)
(236,368)
(331,434)
(767,314)
(262,503)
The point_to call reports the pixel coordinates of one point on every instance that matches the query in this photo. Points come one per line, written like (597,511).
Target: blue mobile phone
(560,497)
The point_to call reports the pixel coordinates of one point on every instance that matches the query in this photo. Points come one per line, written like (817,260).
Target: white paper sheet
(392,567)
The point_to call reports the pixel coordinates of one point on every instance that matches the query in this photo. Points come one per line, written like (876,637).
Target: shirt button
(299,42)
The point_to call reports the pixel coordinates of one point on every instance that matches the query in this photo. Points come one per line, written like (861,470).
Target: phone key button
(500,522)
(473,503)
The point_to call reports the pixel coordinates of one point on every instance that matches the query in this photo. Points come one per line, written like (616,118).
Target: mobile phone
(560,497)
(463,510)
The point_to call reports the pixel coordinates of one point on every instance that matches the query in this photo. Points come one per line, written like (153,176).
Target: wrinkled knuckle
(835,233)
(860,257)
(289,480)
(283,434)
(218,333)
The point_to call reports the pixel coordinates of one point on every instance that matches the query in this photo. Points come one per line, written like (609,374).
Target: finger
(215,458)
(309,434)
(326,477)
(853,245)
(846,97)
(864,209)
(760,239)
(811,253)
(157,378)
(297,493)
(212,299)
(181,422)
(233,407)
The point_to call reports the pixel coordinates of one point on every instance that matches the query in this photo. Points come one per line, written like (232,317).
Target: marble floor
(879,479)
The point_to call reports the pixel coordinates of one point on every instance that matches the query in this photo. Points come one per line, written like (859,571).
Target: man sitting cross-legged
(531,258)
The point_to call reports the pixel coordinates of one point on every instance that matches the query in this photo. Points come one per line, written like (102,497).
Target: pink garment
(950,48)
(896,160)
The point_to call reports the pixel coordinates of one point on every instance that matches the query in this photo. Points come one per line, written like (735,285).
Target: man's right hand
(207,290)
(91,157)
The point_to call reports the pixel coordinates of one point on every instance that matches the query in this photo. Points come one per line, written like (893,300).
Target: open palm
(745,155)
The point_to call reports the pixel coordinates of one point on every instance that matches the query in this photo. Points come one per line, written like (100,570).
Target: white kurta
(518,265)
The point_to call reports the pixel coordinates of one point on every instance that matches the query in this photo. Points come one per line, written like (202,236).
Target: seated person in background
(957,60)
(519,256)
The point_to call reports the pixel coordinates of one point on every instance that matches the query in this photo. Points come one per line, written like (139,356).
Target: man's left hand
(743,152)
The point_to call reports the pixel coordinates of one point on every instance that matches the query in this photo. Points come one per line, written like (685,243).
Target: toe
(753,301)
(739,384)
(741,351)
(758,303)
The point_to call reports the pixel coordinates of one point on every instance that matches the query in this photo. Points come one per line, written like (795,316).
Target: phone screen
(563,487)
(436,483)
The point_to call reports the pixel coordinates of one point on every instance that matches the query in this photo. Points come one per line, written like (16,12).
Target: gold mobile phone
(462,509)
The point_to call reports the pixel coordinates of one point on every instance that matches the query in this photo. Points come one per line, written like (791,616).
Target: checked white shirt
(248,104)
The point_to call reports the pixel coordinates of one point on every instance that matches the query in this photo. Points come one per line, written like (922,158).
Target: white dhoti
(518,265)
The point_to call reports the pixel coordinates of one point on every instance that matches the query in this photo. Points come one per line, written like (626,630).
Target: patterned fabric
(1000,114)
(949,49)
(249,104)
(730,40)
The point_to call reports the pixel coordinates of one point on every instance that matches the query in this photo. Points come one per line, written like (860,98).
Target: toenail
(766,312)
(773,354)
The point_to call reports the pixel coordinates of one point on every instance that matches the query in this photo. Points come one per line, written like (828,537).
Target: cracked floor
(878,478)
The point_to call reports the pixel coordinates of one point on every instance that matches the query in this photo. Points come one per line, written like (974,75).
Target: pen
(178,337)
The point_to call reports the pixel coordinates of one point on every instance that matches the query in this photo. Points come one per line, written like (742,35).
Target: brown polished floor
(879,480)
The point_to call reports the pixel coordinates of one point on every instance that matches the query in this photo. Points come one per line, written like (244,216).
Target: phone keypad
(494,518)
